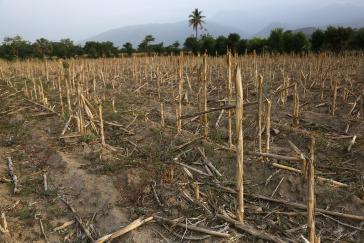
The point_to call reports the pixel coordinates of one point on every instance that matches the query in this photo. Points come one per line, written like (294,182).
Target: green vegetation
(88,138)
(334,39)
(26,213)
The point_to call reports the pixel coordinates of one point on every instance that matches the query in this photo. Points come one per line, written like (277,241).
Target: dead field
(136,162)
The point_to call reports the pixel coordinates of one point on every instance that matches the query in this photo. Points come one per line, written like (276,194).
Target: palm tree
(196,20)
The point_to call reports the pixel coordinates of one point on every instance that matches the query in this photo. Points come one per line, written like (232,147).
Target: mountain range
(247,24)
(167,33)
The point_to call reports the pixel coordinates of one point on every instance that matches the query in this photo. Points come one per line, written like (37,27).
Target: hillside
(166,32)
(254,24)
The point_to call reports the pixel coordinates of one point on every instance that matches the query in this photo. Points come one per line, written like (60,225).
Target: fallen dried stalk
(339,222)
(276,189)
(217,124)
(208,162)
(276,156)
(193,169)
(42,230)
(64,225)
(133,225)
(66,126)
(351,144)
(79,220)
(192,227)
(40,105)
(304,207)
(227,107)
(186,237)
(250,229)
(155,194)
(188,143)
(3,224)
(296,205)
(322,179)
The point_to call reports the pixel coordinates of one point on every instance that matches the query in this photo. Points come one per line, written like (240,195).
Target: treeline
(335,39)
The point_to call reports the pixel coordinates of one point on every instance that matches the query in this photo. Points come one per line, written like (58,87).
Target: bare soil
(109,190)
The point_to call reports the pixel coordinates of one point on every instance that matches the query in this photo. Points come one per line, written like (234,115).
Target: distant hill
(308,31)
(252,22)
(265,32)
(167,33)
(247,23)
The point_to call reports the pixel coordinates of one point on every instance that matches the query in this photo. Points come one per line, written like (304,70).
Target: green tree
(208,44)
(337,39)
(357,40)
(16,47)
(192,44)
(257,44)
(108,49)
(157,48)
(144,45)
(300,42)
(196,20)
(275,40)
(92,49)
(128,48)
(288,41)
(242,46)
(317,40)
(221,45)
(42,48)
(294,42)
(65,48)
(174,48)
(233,42)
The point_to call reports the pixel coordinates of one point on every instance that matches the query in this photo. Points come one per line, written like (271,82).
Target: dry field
(147,149)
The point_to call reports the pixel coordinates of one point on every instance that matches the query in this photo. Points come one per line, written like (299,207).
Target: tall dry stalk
(230,142)
(68,97)
(101,125)
(34,89)
(240,152)
(60,96)
(267,129)
(162,123)
(334,95)
(296,107)
(26,89)
(260,111)
(205,117)
(180,92)
(311,202)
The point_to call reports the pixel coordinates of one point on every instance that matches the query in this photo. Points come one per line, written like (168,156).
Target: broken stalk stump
(14,178)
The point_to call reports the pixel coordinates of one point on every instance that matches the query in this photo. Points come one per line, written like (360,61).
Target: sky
(80,19)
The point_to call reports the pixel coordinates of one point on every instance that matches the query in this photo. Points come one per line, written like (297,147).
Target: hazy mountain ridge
(167,33)
(292,19)
(247,23)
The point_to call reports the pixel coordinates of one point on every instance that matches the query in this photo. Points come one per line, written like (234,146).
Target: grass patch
(49,193)
(26,213)
(88,138)
(53,211)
